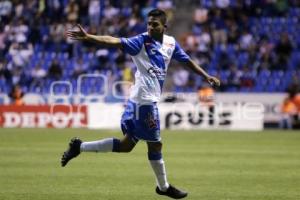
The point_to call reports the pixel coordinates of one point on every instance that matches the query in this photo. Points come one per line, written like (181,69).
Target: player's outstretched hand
(79,34)
(213,81)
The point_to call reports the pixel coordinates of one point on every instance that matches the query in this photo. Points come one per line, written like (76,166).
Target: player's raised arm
(199,70)
(102,40)
(180,55)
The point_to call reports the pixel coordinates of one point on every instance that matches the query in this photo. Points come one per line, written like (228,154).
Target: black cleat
(72,152)
(172,192)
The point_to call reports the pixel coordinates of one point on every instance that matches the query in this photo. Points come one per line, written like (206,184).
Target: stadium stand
(253,46)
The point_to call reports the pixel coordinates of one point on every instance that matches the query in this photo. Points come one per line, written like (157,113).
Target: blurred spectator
(21,30)
(94,12)
(218,28)
(102,64)
(234,78)
(247,79)
(180,78)
(19,76)
(246,40)
(204,42)
(54,10)
(233,32)
(190,42)
(138,27)
(70,43)
(124,26)
(200,15)
(265,53)
(127,77)
(290,110)
(38,74)
(283,50)
(41,7)
(84,11)
(191,83)
(206,96)
(293,91)
(16,95)
(281,7)
(2,41)
(72,10)
(5,73)
(167,6)
(275,8)
(57,35)
(225,61)
(296,101)
(146,8)
(20,53)
(5,10)
(110,11)
(55,71)
(223,4)
(295,80)
(30,11)
(80,67)
(19,8)
(34,35)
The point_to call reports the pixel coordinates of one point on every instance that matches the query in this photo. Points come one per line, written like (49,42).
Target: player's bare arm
(199,70)
(102,40)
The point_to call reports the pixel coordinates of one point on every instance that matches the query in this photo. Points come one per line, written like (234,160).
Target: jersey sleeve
(179,54)
(132,45)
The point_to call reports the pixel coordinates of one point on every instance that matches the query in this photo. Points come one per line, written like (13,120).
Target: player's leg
(76,146)
(124,145)
(158,166)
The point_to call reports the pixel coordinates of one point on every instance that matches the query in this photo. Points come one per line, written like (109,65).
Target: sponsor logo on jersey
(157,72)
(150,121)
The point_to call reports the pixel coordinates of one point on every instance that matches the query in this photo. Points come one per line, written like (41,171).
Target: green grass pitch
(210,165)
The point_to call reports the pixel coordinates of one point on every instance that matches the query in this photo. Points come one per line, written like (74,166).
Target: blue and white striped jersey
(151,59)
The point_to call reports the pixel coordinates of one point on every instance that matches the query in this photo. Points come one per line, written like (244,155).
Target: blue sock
(154,155)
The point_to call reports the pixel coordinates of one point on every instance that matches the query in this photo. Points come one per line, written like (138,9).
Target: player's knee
(126,148)
(159,146)
(154,146)
(126,144)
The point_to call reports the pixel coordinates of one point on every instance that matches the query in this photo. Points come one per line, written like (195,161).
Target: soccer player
(151,52)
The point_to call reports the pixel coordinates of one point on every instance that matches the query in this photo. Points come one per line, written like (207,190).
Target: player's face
(155,27)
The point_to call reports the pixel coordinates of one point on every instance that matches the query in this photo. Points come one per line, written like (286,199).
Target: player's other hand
(79,34)
(213,81)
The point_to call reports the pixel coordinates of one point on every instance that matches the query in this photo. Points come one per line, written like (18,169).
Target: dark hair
(159,14)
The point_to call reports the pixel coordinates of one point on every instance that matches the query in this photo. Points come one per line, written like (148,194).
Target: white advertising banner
(185,116)
(104,115)
(110,114)
(43,116)
(270,101)
(197,116)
